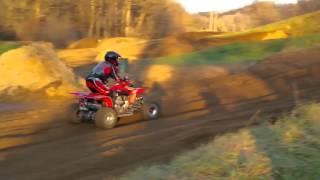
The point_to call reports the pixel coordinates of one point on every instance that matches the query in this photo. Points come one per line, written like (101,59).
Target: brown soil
(37,143)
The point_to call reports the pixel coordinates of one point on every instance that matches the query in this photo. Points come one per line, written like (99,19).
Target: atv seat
(89,95)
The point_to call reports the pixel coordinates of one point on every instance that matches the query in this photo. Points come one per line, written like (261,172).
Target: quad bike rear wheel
(106,118)
(150,111)
(73,114)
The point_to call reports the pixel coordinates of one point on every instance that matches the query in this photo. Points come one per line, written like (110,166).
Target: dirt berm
(37,143)
(35,67)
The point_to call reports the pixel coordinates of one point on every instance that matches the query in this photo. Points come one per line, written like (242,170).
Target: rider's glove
(125,78)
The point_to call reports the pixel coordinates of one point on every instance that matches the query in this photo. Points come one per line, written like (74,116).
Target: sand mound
(35,67)
(84,43)
(118,41)
(275,35)
(128,47)
(135,48)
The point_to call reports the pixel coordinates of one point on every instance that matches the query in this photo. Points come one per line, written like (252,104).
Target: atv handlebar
(125,82)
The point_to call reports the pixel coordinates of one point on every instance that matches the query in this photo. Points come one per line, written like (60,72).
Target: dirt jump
(36,142)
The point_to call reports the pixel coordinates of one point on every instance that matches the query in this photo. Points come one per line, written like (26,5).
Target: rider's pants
(97,86)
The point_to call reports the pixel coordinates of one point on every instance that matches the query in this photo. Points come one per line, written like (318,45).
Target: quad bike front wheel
(151,111)
(106,118)
(73,114)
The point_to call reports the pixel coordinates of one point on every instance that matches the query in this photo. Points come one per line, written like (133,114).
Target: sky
(194,6)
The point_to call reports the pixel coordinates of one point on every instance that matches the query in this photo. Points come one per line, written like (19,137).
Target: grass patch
(289,149)
(240,52)
(6,46)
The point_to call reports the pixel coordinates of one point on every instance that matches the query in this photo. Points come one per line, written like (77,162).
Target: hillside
(260,13)
(252,45)
(296,32)
(240,52)
(295,26)
(306,24)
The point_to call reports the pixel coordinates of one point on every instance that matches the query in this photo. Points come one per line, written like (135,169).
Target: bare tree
(93,5)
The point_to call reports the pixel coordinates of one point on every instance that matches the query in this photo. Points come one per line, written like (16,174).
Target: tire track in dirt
(56,150)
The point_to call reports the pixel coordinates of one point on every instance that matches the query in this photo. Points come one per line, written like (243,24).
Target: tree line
(60,21)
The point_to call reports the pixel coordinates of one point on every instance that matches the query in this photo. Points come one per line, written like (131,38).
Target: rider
(96,81)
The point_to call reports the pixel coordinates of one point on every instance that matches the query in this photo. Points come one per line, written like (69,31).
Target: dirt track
(39,144)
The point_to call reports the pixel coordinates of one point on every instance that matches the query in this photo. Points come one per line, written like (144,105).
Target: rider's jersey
(104,71)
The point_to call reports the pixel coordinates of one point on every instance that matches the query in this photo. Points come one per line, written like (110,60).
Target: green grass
(289,149)
(241,52)
(5,46)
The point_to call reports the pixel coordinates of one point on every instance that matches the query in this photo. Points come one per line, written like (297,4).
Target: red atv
(105,111)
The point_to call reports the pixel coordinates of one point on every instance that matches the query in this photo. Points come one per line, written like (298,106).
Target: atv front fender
(108,102)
